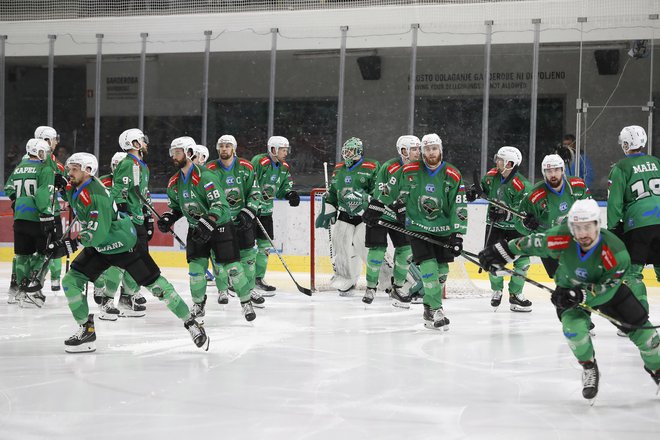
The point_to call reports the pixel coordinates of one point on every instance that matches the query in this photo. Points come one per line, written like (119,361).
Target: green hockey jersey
(388,183)
(31,185)
(238,183)
(351,187)
(435,199)
(549,206)
(598,272)
(131,172)
(510,192)
(634,192)
(273,179)
(101,227)
(197,193)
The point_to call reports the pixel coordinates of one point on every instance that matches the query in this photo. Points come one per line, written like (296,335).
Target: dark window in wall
(458,123)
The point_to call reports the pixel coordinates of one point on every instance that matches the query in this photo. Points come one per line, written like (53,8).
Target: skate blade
(367,300)
(657,390)
(592,401)
(259,306)
(267,293)
(108,317)
(12,300)
(250,317)
(400,305)
(131,314)
(82,348)
(520,309)
(206,344)
(431,326)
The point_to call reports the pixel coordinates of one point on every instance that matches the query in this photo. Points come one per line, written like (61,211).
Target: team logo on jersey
(233,196)
(229,180)
(563,206)
(581,273)
(348,180)
(268,192)
(430,188)
(193,209)
(273,178)
(353,200)
(430,206)
(186,194)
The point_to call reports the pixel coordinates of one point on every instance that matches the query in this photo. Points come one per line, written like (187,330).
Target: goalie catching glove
(496,256)
(564,298)
(324,220)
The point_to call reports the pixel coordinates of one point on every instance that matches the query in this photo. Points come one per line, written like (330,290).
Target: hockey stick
(68,257)
(302,289)
(327,188)
(154,212)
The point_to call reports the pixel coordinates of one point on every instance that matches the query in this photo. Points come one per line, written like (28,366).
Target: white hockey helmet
(118,157)
(46,133)
(86,161)
(202,154)
(38,148)
(407,141)
(632,137)
(278,142)
(552,161)
(582,211)
(431,139)
(227,139)
(186,143)
(128,136)
(509,154)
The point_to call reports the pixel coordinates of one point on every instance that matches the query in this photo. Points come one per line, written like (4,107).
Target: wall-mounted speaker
(369,67)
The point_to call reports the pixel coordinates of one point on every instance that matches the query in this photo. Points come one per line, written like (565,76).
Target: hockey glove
(64,246)
(618,230)
(204,230)
(324,220)
(399,208)
(122,207)
(166,221)
(149,226)
(564,298)
(47,222)
(496,256)
(456,243)
(245,220)
(531,222)
(497,215)
(60,183)
(373,212)
(472,193)
(293,198)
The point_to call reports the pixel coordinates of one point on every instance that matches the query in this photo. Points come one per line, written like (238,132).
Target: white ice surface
(317,368)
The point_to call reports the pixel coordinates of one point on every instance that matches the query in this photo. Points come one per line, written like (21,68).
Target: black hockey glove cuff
(472,193)
(497,215)
(244,220)
(496,256)
(47,222)
(456,243)
(64,246)
(618,230)
(564,298)
(531,222)
(399,208)
(149,226)
(293,198)
(373,212)
(60,182)
(122,207)
(166,221)
(204,230)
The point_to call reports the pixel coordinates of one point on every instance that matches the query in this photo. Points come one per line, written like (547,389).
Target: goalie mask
(352,151)
(632,138)
(86,161)
(131,135)
(118,157)
(409,143)
(38,148)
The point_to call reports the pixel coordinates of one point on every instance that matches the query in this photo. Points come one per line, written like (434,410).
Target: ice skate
(257,300)
(496,299)
(369,294)
(518,303)
(621,333)
(84,341)
(223,297)
(197,333)
(197,310)
(399,299)
(27,300)
(590,378)
(55,285)
(108,310)
(265,287)
(248,311)
(656,378)
(139,298)
(416,298)
(129,308)
(13,290)
(99,293)
(347,292)
(435,319)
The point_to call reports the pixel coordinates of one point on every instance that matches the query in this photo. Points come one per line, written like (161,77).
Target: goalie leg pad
(345,260)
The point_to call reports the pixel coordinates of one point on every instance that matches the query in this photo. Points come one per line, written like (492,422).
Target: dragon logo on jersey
(233,196)
(193,209)
(581,273)
(353,200)
(563,206)
(268,192)
(430,206)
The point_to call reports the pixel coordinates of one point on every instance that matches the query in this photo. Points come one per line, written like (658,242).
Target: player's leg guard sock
(73,285)
(238,280)
(401,264)
(375,258)
(23,268)
(55,267)
(197,273)
(432,289)
(221,278)
(521,265)
(112,276)
(263,249)
(575,324)
(496,283)
(130,286)
(248,261)
(164,291)
(648,343)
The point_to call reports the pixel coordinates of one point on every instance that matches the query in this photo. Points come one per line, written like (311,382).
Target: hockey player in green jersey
(109,239)
(106,285)
(236,178)
(633,201)
(353,181)
(273,177)
(432,202)
(547,203)
(30,187)
(505,185)
(195,192)
(388,181)
(130,173)
(594,268)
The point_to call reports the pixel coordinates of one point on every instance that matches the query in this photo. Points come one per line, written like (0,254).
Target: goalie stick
(327,188)
(302,289)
